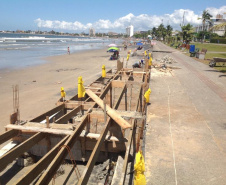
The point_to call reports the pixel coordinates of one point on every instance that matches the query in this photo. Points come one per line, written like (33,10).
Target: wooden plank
(8,135)
(40,129)
(20,149)
(127,114)
(7,148)
(111,112)
(66,117)
(73,104)
(117,83)
(48,113)
(126,158)
(59,132)
(56,162)
(40,165)
(89,167)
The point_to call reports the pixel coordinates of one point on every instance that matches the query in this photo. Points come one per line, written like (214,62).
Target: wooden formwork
(89,131)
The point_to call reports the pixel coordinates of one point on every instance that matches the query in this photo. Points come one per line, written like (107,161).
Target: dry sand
(40,85)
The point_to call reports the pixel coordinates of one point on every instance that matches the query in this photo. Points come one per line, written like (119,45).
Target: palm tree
(169,30)
(161,31)
(219,26)
(154,32)
(187,31)
(205,18)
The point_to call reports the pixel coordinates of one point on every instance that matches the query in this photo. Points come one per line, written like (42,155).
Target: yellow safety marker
(139,167)
(145,53)
(81,89)
(150,61)
(147,94)
(128,57)
(103,71)
(149,55)
(62,93)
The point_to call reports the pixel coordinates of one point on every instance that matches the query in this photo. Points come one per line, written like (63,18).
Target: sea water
(21,50)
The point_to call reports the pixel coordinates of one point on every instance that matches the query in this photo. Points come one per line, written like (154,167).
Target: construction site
(106,126)
(105,133)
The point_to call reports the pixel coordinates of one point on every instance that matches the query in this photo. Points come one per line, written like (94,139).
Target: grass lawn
(209,56)
(210,46)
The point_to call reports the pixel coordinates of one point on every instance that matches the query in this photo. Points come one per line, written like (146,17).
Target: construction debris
(167,59)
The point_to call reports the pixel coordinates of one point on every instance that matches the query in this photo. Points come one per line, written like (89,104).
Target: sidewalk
(186,138)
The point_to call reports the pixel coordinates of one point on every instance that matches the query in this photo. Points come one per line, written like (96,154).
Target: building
(219,20)
(130,30)
(112,33)
(92,32)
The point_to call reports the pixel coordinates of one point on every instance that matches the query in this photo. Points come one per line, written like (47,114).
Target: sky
(76,16)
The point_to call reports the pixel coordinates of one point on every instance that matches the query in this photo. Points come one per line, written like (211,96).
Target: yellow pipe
(127,57)
(81,89)
(147,94)
(103,71)
(62,92)
(139,167)
(150,61)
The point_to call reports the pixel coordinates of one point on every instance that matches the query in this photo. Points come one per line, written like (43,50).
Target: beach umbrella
(112,45)
(112,49)
(139,44)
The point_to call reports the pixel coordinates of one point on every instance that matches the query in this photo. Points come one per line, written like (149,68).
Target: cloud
(140,22)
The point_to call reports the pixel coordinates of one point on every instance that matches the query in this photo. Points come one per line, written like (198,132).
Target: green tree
(161,32)
(205,18)
(186,32)
(154,32)
(169,30)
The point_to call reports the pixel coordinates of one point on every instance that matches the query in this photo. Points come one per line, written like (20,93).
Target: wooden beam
(59,132)
(20,149)
(127,114)
(126,158)
(40,165)
(73,104)
(89,167)
(8,135)
(111,112)
(39,129)
(66,117)
(48,113)
(56,162)
(120,98)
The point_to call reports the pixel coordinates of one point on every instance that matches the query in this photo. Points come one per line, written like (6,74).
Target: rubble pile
(162,65)
(167,59)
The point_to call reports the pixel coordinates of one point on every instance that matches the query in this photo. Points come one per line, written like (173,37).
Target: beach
(39,85)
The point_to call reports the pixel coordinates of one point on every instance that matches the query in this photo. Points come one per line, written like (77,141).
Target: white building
(219,20)
(130,30)
(91,32)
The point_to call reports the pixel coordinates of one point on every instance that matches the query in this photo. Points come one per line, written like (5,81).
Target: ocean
(22,50)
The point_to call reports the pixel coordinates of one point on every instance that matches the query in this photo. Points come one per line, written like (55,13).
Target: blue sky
(103,15)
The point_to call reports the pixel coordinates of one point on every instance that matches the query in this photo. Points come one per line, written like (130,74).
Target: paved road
(186,131)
